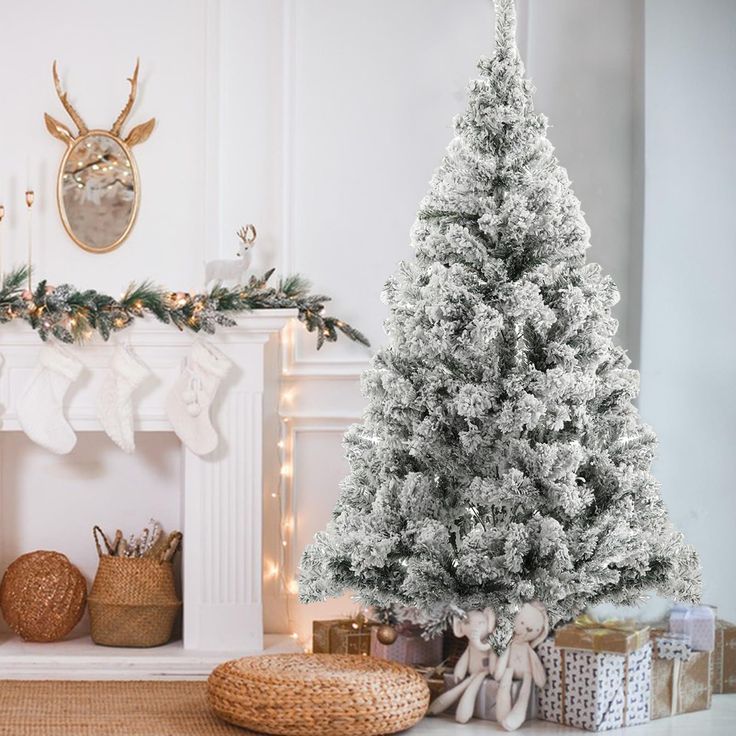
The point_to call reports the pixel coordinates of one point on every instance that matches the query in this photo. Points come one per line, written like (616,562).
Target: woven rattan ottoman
(318,695)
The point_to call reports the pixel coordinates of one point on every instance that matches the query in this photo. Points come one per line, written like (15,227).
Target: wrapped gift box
(409,648)
(723,661)
(618,637)
(671,646)
(435,678)
(485,702)
(595,690)
(341,636)
(680,686)
(321,635)
(698,622)
(453,647)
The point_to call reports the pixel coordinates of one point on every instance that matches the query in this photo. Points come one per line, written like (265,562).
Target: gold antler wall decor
(98,187)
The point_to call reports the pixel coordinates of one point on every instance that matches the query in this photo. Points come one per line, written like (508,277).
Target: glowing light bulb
(293,587)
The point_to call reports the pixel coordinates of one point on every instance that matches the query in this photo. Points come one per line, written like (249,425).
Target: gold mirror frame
(60,193)
(139,134)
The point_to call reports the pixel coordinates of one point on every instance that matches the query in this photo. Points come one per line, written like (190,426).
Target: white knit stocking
(189,401)
(41,406)
(115,400)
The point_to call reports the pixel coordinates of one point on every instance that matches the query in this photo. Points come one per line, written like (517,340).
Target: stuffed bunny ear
(490,615)
(457,627)
(545,626)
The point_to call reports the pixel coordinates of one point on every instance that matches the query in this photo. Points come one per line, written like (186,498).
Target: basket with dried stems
(133,601)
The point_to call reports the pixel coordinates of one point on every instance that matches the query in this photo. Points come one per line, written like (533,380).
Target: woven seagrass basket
(318,695)
(42,596)
(133,602)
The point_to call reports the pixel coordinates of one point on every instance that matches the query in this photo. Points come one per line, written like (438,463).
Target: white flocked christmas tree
(501,459)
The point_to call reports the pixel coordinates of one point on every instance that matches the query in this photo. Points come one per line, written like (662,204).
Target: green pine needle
(73,316)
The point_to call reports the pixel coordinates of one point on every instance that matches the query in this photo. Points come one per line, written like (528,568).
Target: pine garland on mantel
(74,316)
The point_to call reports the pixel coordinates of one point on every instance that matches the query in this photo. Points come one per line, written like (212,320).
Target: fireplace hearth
(220,496)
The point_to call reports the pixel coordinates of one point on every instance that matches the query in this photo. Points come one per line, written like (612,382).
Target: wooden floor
(720,720)
(135,708)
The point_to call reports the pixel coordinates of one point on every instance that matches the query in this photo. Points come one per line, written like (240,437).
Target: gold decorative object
(42,596)
(342,636)
(387,634)
(98,187)
(602,636)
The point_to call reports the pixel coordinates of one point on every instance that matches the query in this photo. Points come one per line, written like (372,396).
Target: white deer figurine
(231,272)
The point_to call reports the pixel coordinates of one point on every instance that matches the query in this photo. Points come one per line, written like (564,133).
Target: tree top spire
(505,26)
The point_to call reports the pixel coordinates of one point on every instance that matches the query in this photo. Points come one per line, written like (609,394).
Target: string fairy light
(281,569)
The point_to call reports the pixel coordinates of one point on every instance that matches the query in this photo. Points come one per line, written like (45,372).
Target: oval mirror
(98,191)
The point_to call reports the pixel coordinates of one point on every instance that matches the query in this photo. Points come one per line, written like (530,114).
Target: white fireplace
(220,497)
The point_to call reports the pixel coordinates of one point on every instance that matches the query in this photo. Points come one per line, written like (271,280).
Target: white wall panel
(689,351)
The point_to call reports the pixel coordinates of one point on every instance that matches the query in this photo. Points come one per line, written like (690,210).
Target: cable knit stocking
(115,400)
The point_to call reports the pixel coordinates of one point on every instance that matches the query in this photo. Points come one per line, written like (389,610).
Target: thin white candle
(30,196)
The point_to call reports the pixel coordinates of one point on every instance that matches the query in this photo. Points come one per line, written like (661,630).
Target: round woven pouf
(318,695)
(42,596)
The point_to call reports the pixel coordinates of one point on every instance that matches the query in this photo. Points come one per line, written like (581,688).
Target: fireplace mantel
(221,493)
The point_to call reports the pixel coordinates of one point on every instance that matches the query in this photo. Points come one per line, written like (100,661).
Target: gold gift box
(619,637)
(350,638)
(341,636)
(321,635)
(680,687)
(723,662)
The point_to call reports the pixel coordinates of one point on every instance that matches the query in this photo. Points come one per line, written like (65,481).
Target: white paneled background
(320,121)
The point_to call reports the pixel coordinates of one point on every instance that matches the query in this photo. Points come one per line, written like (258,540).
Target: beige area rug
(66,708)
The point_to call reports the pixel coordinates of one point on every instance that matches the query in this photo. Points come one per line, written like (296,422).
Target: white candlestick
(30,196)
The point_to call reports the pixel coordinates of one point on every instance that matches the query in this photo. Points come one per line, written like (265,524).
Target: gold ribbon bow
(601,636)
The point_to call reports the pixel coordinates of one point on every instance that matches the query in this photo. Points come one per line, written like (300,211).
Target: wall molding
(294,364)
(296,426)
(212,123)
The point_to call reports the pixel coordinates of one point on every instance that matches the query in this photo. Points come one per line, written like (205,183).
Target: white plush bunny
(521,662)
(476,663)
